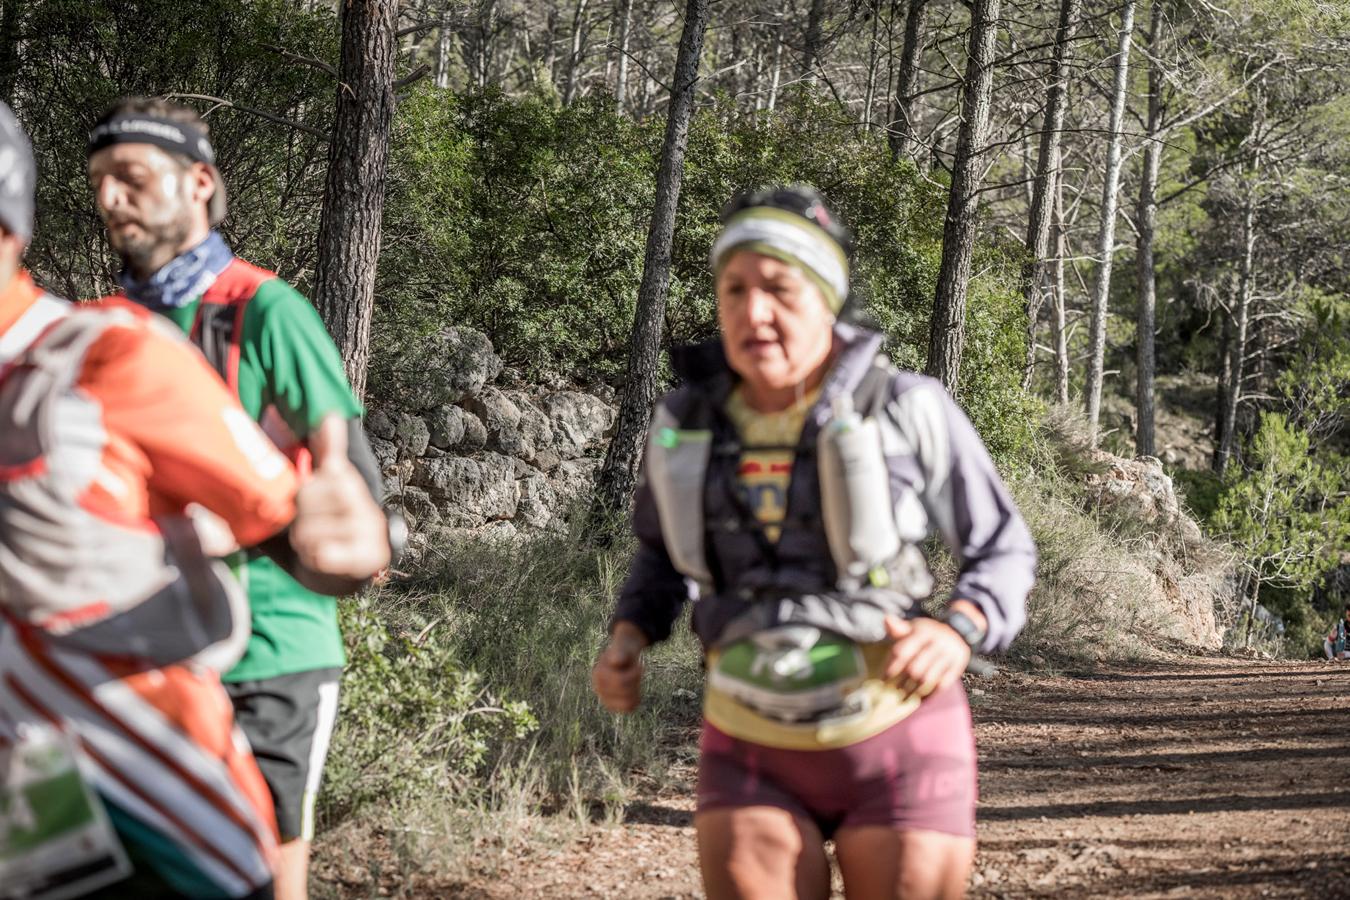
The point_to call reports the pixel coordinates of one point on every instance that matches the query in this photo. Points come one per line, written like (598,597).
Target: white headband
(804,243)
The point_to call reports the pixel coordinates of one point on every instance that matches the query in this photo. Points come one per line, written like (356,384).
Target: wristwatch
(965,626)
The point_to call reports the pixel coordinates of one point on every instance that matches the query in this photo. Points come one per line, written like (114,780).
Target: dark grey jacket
(940,475)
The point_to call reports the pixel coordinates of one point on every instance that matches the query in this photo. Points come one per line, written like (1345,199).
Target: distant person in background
(1336,645)
(25,309)
(155,183)
(788,486)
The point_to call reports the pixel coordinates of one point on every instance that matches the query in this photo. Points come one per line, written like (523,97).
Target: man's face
(151,203)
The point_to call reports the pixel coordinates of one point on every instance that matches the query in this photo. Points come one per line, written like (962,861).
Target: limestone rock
(578,420)
(538,503)
(413,434)
(534,427)
(380,425)
(419,509)
(475,434)
(443,367)
(501,418)
(447,425)
(469,492)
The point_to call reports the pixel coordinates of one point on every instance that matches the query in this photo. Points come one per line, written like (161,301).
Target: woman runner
(833,707)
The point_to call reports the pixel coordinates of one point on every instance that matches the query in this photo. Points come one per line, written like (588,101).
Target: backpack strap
(874,390)
(219,328)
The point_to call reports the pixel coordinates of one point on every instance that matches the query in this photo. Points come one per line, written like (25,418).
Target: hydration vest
(218,331)
(856,496)
(45,310)
(90,581)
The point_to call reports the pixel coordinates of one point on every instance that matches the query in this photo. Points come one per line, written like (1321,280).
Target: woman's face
(776,328)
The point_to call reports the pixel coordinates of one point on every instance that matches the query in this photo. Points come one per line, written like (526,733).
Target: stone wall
(463,444)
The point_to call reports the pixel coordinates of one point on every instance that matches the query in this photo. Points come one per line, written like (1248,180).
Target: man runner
(152,170)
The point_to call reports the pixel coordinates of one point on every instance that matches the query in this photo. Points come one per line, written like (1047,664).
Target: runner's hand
(617,675)
(339,529)
(926,655)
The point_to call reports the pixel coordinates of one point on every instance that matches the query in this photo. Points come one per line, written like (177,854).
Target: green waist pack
(793,673)
(55,838)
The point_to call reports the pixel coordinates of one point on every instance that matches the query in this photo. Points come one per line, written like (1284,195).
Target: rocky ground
(1199,777)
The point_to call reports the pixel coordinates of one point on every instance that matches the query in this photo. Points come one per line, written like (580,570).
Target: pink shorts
(919,774)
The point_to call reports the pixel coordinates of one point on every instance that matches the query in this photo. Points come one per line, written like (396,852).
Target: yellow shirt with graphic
(763,478)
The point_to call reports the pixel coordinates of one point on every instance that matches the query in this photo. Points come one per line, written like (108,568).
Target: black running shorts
(288,721)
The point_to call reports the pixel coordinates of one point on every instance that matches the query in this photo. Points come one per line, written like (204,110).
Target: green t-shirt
(287,361)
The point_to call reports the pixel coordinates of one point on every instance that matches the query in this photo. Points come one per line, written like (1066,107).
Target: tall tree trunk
(815,19)
(1106,237)
(777,69)
(444,35)
(1145,361)
(1035,274)
(621,78)
(1061,300)
(11,15)
(947,328)
(575,52)
(1238,346)
(353,199)
(1221,382)
(870,94)
(902,125)
(615,482)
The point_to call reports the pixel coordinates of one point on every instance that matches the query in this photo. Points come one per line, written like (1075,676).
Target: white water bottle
(855,493)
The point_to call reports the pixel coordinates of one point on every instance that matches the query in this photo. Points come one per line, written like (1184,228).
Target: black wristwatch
(965,626)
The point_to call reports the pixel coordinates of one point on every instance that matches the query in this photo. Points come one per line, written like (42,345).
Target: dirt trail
(1199,778)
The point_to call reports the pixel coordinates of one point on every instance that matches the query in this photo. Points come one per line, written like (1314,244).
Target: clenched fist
(617,675)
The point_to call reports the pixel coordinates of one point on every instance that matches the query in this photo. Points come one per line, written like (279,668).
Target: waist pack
(90,581)
(792,673)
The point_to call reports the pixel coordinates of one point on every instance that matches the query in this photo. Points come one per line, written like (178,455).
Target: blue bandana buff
(183,279)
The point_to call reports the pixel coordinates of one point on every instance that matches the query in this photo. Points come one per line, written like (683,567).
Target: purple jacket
(940,476)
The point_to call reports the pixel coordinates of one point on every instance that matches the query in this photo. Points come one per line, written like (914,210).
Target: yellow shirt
(764,477)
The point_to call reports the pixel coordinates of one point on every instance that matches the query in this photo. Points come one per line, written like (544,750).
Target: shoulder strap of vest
(874,390)
(219,328)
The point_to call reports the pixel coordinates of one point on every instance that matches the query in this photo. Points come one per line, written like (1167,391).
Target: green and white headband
(792,239)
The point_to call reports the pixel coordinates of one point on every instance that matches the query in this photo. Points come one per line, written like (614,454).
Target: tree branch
(230,104)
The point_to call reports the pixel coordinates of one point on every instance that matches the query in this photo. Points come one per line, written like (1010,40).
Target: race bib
(55,838)
(793,673)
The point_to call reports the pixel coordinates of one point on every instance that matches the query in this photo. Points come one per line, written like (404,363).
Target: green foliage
(81,56)
(413,721)
(528,221)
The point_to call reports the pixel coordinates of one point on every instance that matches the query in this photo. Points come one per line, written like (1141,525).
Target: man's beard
(153,247)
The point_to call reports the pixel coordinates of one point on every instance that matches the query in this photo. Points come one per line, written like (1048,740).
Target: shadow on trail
(1172,761)
(1326,880)
(1103,716)
(655,814)
(1117,808)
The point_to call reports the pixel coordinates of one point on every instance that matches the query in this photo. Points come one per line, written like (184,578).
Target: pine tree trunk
(621,78)
(442,74)
(902,125)
(1036,274)
(353,199)
(1060,331)
(1221,383)
(618,476)
(1147,223)
(777,70)
(870,94)
(575,53)
(947,329)
(811,46)
(1238,347)
(1106,237)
